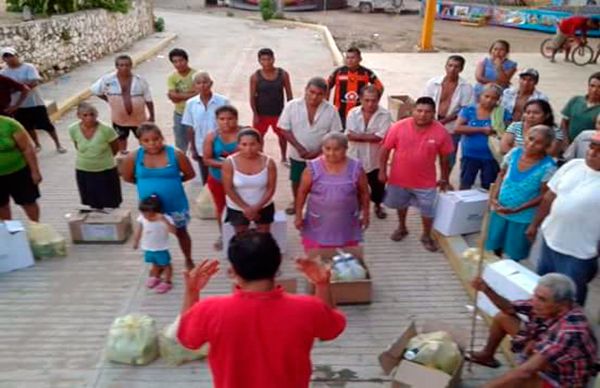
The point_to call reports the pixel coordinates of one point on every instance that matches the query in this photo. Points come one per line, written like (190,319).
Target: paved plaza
(54,317)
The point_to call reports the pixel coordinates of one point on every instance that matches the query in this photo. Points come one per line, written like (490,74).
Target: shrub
(267,9)
(159,24)
(42,7)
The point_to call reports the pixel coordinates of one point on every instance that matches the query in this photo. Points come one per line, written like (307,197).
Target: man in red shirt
(567,28)
(260,336)
(417,142)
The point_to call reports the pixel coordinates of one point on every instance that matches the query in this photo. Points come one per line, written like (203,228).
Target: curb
(65,105)
(338,58)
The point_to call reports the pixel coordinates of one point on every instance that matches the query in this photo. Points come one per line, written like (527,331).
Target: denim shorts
(160,258)
(401,198)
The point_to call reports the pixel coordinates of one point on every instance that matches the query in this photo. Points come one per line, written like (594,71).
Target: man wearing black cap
(514,100)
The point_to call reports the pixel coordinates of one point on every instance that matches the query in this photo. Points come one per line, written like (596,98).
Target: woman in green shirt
(95,167)
(19,171)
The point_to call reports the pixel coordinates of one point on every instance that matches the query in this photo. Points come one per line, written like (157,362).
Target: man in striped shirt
(348,81)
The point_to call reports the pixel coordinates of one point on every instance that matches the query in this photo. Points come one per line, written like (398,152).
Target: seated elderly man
(554,344)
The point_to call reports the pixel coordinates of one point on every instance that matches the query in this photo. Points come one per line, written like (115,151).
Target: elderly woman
(496,68)
(338,198)
(159,169)
(555,345)
(475,124)
(249,178)
(522,183)
(19,171)
(95,167)
(535,112)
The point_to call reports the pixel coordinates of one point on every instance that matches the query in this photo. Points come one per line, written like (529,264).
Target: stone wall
(59,43)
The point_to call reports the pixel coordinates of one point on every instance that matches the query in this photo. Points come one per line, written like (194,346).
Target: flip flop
(290,210)
(218,245)
(430,244)
(380,213)
(493,363)
(163,288)
(61,150)
(399,234)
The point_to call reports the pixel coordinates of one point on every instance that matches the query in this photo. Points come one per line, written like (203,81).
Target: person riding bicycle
(567,28)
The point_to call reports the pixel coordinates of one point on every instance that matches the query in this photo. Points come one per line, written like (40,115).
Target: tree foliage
(51,7)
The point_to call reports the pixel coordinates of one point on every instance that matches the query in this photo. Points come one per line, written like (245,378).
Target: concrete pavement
(55,316)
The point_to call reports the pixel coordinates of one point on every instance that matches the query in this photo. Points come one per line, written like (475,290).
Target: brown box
(410,374)
(99,226)
(346,292)
(400,106)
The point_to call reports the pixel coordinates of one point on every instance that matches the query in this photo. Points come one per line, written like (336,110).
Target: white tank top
(250,188)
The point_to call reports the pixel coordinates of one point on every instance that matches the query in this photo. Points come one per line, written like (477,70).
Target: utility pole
(427,29)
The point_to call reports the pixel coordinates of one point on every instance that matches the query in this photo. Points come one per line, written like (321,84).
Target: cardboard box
(99,226)
(460,212)
(410,374)
(15,252)
(508,279)
(346,292)
(278,230)
(400,106)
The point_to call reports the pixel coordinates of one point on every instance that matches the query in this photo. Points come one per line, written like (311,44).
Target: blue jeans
(180,132)
(452,156)
(582,271)
(470,167)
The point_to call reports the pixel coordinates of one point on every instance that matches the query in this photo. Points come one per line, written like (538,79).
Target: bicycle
(581,55)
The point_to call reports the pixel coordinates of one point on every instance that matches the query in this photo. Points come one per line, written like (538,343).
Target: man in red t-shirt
(567,28)
(417,142)
(260,336)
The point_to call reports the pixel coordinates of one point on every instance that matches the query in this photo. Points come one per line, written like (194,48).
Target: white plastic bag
(45,241)
(133,340)
(347,267)
(203,207)
(172,351)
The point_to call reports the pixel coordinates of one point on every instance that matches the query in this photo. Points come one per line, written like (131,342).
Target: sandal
(429,244)
(164,287)
(290,210)
(380,213)
(399,234)
(61,150)
(490,363)
(152,282)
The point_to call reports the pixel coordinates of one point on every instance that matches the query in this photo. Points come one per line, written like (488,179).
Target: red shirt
(415,152)
(570,25)
(260,339)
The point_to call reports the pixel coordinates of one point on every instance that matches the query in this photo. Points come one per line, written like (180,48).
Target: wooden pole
(481,249)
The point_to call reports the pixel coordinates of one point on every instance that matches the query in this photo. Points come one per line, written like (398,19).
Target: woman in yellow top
(95,166)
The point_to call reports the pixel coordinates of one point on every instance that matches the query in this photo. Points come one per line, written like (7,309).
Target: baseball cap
(8,51)
(532,73)
(596,138)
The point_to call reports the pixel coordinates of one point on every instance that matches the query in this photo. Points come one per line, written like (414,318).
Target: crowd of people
(342,156)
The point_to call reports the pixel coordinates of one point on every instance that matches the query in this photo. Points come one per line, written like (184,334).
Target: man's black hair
(355,50)
(318,82)
(266,51)
(123,57)
(425,101)
(457,58)
(254,255)
(596,75)
(177,52)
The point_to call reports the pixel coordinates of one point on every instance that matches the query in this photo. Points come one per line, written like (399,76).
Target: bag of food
(172,351)
(203,207)
(347,267)
(470,262)
(45,241)
(132,340)
(435,350)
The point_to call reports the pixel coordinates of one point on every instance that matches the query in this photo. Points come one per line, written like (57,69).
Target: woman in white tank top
(249,179)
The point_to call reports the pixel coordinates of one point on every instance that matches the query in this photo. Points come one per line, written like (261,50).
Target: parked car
(368,6)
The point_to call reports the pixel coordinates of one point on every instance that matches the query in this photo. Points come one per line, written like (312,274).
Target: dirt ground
(390,32)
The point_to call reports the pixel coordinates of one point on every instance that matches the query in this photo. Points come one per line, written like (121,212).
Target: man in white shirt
(128,96)
(366,127)
(199,116)
(514,99)
(304,121)
(569,221)
(451,93)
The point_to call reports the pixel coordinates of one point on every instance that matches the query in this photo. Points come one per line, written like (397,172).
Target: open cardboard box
(400,106)
(345,292)
(410,374)
(99,226)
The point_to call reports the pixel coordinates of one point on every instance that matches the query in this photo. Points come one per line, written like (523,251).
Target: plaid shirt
(566,342)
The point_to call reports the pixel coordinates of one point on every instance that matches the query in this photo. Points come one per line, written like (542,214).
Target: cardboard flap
(112,217)
(460,336)
(415,375)
(394,353)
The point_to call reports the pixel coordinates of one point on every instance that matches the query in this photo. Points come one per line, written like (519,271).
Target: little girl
(153,231)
